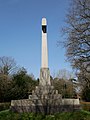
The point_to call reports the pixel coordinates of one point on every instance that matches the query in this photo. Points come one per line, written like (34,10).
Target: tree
(5,88)
(64,74)
(23,84)
(15,83)
(62,82)
(77,43)
(7,65)
(86,93)
(64,87)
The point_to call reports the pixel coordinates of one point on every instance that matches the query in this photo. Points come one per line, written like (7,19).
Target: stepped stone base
(44,95)
(46,109)
(45,100)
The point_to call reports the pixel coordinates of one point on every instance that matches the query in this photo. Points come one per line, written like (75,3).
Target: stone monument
(44,71)
(45,99)
(44,95)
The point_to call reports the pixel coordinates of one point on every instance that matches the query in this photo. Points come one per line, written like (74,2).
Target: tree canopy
(77,41)
(7,65)
(14,83)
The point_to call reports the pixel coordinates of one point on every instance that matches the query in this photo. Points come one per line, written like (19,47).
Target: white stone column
(44,71)
(44,60)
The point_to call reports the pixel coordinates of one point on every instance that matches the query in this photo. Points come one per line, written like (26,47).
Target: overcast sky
(20,32)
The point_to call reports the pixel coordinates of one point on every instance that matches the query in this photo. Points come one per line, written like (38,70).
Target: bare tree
(7,65)
(77,43)
(64,74)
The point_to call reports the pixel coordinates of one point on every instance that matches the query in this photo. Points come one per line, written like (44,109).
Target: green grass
(81,115)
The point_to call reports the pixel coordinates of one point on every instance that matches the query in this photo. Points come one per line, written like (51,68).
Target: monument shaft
(44,44)
(44,71)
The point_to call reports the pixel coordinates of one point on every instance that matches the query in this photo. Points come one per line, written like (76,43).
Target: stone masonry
(45,99)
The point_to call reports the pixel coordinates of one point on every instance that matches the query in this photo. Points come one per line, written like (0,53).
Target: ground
(80,115)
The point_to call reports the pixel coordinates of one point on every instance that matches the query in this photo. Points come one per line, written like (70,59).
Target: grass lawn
(81,115)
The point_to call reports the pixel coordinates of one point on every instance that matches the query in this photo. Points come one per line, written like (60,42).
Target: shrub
(4,106)
(9,115)
(85,105)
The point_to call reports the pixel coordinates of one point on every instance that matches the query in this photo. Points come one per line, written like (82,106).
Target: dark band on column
(44,28)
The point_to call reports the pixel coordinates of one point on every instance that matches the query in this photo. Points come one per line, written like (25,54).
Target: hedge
(4,106)
(85,105)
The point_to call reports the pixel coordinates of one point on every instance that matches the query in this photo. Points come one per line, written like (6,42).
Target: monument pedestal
(45,100)
(44,77)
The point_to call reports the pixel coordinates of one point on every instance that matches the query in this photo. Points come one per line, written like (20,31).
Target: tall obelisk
(44,44)
(44,71)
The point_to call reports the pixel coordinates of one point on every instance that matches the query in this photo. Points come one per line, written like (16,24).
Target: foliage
(86,94)
(65,87)
(63,82)
(5,88)
(78,34)
(7,68)
(23,84)
(15,86)
(77,43)
(4,106)
(85,105)
(64,74)
(81,115)
(7,65)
